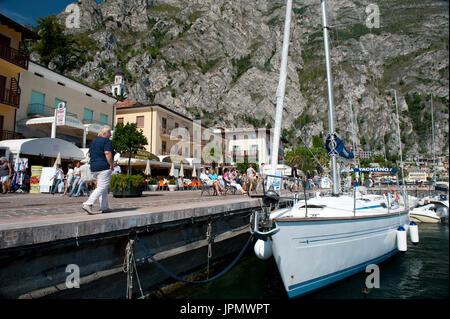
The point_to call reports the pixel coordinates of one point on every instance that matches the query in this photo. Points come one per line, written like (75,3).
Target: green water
(420,273)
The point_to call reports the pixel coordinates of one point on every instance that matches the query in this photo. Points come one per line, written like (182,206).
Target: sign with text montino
(61,114)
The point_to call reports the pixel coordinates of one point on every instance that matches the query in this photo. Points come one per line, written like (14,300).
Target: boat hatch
(314,206)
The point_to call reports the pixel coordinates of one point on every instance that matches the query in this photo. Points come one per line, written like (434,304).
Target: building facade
(14,60)
(87,109)
(171,133)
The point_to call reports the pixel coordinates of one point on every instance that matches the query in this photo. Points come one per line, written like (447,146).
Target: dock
(40,234)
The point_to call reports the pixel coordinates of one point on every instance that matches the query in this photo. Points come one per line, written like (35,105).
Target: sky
(28,11)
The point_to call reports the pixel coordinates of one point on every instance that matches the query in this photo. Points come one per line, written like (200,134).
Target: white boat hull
(424,219)
(314,252)
(425,214)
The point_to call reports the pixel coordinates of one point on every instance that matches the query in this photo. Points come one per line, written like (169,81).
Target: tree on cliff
(65,51)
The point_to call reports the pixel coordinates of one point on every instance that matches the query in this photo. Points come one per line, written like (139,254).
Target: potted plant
(153,184)
(172,185)
(127,139)
(127,185)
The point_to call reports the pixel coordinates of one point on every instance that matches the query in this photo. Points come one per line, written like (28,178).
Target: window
(164,122)
(176,125)
(37,98)
(103,119)
(37,103)
(163,146)
(60,83)
(38,74)
(88,115)
(57,101)
(140,121)
(88,94)
(120,120)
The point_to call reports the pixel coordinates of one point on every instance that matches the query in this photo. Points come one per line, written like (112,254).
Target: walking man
(101,156)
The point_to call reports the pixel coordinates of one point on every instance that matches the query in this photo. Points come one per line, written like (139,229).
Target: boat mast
(432,134)
(281,87)
(334,168)
(401,156)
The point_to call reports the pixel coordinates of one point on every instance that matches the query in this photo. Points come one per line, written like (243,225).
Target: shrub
(122,181)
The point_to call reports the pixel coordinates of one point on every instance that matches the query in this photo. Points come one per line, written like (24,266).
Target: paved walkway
(16,206)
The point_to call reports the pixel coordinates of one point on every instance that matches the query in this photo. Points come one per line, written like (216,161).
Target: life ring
(397,197)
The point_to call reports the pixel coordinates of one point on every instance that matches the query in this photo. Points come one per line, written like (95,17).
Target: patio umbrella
(194,172)
(181,170)
(58,160)
(172,170)
(148,170)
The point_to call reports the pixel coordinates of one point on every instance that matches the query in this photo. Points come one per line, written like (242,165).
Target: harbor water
(420,273)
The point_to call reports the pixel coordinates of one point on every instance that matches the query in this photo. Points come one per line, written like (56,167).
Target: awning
(47,147)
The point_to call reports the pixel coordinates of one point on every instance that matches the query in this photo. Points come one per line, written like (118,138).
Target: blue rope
(171,274)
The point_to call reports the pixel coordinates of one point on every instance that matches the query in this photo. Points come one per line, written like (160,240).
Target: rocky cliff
(219,60)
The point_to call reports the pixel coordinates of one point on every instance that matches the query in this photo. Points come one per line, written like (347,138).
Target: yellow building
(13,60)
(171,133)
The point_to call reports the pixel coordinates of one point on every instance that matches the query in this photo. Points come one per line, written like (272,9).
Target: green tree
(65,51)
(305,159)
(128,139)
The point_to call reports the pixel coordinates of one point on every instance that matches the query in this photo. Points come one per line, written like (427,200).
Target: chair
(162,185)
(207,188)
(228,188)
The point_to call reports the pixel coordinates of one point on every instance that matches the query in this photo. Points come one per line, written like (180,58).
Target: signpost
(61,114)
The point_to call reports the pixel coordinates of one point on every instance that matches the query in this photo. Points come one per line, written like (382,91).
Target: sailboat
(327,238)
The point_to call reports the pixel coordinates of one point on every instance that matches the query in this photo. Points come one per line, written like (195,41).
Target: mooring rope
(171,274)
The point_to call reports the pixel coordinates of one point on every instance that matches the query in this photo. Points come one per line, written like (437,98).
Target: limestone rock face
(219,60)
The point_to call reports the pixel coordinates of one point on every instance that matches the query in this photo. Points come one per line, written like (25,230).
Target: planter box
(172,188)
(130,191)
(153,188)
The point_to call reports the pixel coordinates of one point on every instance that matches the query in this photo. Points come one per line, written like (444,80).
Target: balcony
(10,97)
(17,57)
(41,110)
(9,135)
(92,122)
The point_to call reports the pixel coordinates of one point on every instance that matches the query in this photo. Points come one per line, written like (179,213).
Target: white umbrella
(148,170)
(194,172)
(181,170)
(172,170)
(58,160)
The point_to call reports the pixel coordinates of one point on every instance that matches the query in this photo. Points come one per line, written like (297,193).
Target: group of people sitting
(231,177)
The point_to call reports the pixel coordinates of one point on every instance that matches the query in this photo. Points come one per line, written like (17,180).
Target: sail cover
(337,147)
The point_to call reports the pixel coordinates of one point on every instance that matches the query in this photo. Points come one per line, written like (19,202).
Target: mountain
(219,60)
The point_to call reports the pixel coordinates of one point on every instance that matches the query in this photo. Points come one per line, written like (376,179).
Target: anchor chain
(129,267)
(209,240)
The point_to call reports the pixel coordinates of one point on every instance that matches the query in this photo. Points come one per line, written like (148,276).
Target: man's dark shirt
(97,154)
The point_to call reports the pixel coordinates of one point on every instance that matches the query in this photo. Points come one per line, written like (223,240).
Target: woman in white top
(229,180)
(69,179)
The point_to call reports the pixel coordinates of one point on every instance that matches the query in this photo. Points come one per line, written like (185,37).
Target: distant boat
(328,238)
(425,214)
(434,209)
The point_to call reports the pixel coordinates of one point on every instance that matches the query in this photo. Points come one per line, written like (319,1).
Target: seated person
(205,179)
(230,181)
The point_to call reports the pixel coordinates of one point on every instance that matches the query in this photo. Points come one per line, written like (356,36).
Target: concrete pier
(41,234)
